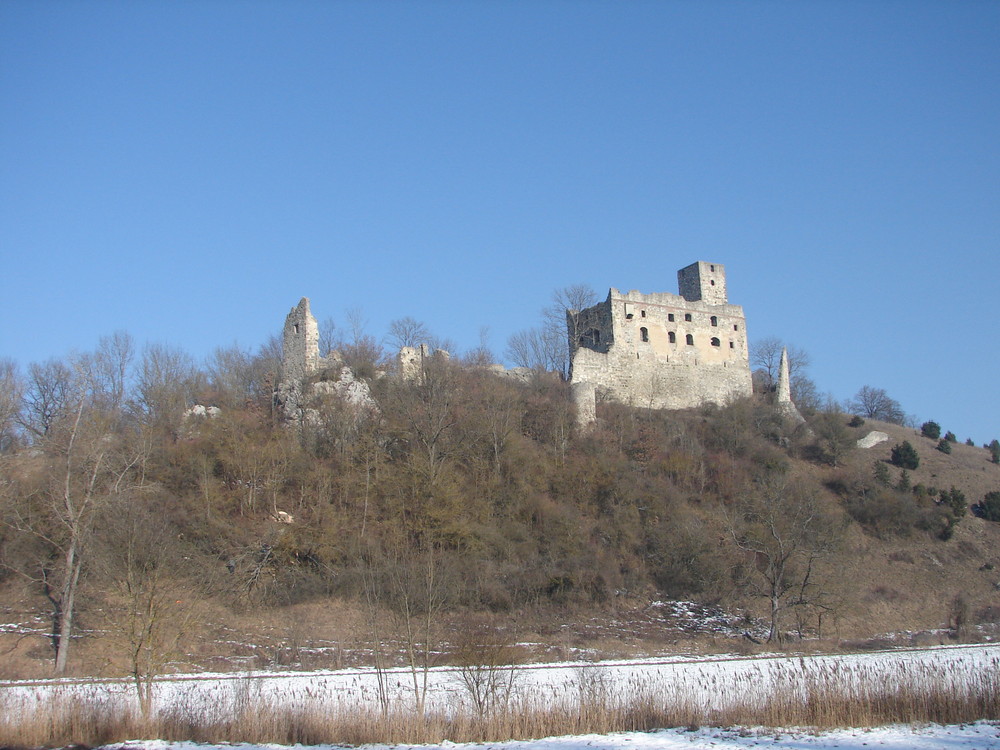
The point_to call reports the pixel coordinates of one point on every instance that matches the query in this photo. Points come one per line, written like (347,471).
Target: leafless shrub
(487,659)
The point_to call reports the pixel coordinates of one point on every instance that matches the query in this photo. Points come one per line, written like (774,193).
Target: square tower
(703,282)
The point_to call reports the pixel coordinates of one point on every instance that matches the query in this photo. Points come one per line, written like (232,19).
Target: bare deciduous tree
(85,464)
(534,348)
(406,585)
(765,360)
(360,350)
(786,533)
(487,659)
(875,403)
(546,348)
(49,395)
(110,369)
(407,332)
(562,318)
(141,564)
(166,383)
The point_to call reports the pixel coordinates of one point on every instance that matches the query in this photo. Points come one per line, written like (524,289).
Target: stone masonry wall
(300,344)
(665,351)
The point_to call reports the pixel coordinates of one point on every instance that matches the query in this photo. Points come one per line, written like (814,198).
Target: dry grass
(800,696)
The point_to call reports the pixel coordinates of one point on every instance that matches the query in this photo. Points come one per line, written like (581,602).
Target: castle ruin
(306,376)
(656,351)
(661,350)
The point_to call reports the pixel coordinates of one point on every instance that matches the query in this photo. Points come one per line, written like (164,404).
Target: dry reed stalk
(824,696)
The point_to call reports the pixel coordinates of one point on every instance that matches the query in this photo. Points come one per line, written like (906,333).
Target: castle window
(715,321)
(716,342)
(736,328)
(687,317)
(644,334)
(670,317)
(673,337)
(690,340)
(629,310)
(295,327)
(713,269)
(711,282)
(643,313)
(731,345)
(591,338)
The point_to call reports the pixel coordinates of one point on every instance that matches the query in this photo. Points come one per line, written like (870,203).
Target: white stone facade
(662,350)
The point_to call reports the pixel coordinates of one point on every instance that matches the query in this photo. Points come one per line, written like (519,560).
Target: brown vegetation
(465,493)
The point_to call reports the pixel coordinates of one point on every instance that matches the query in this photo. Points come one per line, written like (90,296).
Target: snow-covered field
(710,682)
(715,682)
(978,736)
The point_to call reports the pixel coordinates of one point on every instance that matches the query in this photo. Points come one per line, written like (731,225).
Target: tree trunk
(66,602)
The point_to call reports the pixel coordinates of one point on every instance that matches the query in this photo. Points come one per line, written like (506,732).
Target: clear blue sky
(186,171)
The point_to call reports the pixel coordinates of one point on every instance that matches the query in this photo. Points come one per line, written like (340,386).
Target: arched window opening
(716,342)
(644,334)
(690,339)
(673,337)
(715,321)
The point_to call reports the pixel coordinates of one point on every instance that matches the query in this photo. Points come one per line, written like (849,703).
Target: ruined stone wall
(300,344)
(665,351)
(704,282)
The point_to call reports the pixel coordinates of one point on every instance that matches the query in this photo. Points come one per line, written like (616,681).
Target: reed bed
(800,694)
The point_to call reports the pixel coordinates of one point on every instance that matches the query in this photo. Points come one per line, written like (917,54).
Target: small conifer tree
(905,456)
(930,430)
(903,485)
(955,499)
(881,473)
(990,507)
(944,446)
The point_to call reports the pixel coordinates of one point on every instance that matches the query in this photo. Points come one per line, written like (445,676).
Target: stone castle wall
(662,350)
(659,350)
(300,344)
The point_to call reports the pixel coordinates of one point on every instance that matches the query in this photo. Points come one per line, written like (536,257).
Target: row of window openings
(687,318)
(689,339)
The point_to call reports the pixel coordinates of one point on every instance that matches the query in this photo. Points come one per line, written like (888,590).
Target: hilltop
(467,502)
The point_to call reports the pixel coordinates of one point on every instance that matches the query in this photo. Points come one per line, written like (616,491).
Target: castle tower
(300,344)
(703,282)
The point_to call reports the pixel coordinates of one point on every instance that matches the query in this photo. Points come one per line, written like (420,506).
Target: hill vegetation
(135,531)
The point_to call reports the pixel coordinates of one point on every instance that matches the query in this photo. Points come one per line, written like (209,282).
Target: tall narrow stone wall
(299,357)
(300,343)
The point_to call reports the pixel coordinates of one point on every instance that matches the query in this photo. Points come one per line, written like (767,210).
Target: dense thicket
(481,475)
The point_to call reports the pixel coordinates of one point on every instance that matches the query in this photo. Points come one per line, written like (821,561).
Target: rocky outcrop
(872,439)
